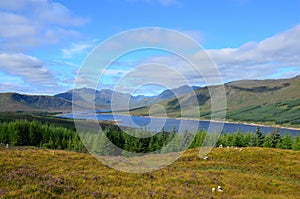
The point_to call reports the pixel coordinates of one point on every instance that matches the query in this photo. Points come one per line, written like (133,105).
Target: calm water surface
(156,124)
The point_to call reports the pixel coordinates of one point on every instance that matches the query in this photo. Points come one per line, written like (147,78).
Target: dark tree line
(35,133)
(104,144)
(258,139)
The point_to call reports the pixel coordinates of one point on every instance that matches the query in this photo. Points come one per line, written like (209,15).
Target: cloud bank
(30,69)
(31,23)
(278,55)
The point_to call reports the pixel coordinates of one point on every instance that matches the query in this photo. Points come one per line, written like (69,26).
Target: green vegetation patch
(285,112)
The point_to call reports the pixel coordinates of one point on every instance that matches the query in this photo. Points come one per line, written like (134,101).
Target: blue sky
(43,43)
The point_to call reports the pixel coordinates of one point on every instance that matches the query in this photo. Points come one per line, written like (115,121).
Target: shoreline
(230,122)
(207,120)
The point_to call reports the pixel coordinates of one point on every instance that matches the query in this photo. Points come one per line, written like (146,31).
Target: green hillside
(271,101)
(20,102)
(261,101)
(242,173)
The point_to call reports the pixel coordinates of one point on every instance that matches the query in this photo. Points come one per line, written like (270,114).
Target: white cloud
(30,23)
(151,37)
(15,26)
(260,59)
(195,34)
(56,13)
(78,49)
(38,89)
(150,74)
(17,5)
(29,69)
(44,10)
(276,56)
(113,72)
(27,24)
(156,39)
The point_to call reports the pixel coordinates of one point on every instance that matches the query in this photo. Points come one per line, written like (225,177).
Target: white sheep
(221,146)
(213,189)
(205,158)
(220,189)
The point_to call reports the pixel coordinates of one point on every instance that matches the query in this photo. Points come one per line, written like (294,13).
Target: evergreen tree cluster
(164,142)
(34,133)
(258,139)
(114,141)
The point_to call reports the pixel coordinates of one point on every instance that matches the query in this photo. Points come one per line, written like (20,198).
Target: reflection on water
(156,124)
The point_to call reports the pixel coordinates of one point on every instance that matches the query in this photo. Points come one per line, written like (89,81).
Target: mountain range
(62,102)
(267,101)
(247,100)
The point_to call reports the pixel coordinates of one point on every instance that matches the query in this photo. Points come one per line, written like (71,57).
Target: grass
(246,173)
(283,113)
(44,117)
(275,102)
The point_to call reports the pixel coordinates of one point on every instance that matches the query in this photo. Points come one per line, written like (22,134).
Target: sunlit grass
(242,173)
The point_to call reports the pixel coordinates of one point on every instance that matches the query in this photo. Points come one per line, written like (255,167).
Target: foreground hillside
(242,173)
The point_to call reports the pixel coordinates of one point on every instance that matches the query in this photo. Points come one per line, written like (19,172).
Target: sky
(45,43)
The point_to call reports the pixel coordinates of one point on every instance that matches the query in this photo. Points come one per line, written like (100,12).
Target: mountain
(165,95)
(20,102)
(82,98)
(276,101)
(103,98)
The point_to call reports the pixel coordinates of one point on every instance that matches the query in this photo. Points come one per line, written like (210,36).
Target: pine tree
(287,141)
(50,144)
(4,134)
(34,134)
(14,136)
(296,143)
(106,147)
(236,139)
(246,140)
(153,145)
(260,137)
(267,141)
(275,139)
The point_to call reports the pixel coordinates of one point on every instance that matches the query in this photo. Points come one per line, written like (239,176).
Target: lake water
(156,124)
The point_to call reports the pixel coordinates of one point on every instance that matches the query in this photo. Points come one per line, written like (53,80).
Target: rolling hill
(20,102)
(62,102)
(247,173)
(269,101)
(275,101)
(82,97)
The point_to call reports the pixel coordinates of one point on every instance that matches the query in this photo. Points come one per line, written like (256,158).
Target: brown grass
(246,173)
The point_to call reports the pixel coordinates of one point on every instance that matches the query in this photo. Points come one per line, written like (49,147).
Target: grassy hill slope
(246,173)
(261,101)
(275,101)
(20,102)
